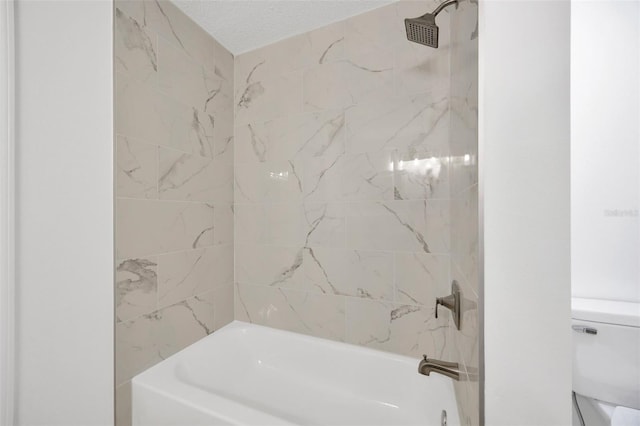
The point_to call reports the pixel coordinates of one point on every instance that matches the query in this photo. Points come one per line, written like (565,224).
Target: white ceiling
(244,25)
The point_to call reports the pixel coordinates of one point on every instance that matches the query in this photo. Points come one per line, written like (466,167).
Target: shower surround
(335,185)
(174,187)
(356,186)
(342,205)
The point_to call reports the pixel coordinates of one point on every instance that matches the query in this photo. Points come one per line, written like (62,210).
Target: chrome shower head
(423,29)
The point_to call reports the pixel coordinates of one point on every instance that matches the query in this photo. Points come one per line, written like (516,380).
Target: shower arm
(442,6)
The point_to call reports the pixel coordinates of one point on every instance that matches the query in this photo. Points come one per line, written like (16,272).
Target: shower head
(423,29)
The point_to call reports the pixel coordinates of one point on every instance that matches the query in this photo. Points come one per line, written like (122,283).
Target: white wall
(524,160)
(65,213)
(605,144)
(7,206)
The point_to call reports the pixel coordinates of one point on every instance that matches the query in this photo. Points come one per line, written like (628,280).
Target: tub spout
(449,369)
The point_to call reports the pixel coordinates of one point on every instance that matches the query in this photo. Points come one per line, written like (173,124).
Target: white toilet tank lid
(607,311)
(623,416)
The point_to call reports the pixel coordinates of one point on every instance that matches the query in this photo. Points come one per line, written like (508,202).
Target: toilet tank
(606,351)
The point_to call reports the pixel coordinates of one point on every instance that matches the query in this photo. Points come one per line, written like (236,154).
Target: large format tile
(268,182)
(150,227)
(187,177)
(136,287)
(286,56)
(413,124)
(136,169)
(357,273)
(325,87)
(270,265)
(189,273)
(259,100)
(301,312)
(421,226)
(371,32)
(336,85)
(404,329)
(322,178)
(136,48)
(421,277)
(165,19)
(298,136)
(327,43)
(464,235)
(147,340)
(144,113)
(420,175)
(185,79)
(367,176)
(223,224)
(313,225)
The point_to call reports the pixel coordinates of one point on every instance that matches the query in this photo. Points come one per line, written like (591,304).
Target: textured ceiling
(243,25)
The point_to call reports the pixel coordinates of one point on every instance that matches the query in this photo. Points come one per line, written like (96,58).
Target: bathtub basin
(246,374)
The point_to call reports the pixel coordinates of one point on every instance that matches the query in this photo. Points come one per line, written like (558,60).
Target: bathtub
(246,374)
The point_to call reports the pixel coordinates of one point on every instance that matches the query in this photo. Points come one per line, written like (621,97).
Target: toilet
(606,361)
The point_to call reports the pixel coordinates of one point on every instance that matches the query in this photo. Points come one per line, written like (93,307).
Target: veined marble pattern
(406,329)
(163,18)
(322,178)
(400,225)
(174,187)
(136,48)
(291,224)
(421,277)
(327,43)
(262,100)
(339,272)
(189,177)
(152,227)
(364,78)
(136,168)
(146,340)
(342,184)
(413,124)
(148,115)
(136,287)
(302,312)
(187,81)
(185,274)
(368,176)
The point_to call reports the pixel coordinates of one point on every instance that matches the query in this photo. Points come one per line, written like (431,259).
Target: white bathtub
(246,374)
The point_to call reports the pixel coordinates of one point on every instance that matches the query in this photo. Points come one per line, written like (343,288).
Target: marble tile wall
(174,187)
(464,202)
(342,183)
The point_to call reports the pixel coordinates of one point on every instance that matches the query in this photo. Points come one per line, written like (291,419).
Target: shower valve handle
(452,302)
